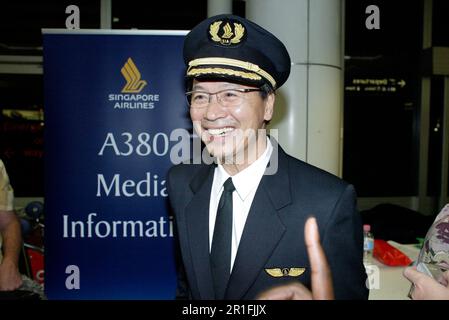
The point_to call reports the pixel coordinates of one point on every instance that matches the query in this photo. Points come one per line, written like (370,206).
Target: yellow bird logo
(134,84)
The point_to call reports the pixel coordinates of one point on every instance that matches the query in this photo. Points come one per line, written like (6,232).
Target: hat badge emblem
(228,35)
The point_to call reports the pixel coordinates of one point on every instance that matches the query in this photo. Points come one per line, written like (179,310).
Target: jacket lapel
(197,219)
(263,228)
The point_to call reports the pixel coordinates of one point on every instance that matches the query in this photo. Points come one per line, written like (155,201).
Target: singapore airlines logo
(131,97)
(134,84)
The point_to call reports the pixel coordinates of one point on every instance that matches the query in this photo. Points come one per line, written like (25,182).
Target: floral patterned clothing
(436,245)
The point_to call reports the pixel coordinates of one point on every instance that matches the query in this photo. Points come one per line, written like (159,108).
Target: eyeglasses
(227,97)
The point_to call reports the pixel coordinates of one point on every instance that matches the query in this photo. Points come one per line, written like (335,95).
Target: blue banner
(113,101)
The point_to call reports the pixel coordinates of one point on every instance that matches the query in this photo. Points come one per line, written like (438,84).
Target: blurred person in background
(435,252)
(10,236)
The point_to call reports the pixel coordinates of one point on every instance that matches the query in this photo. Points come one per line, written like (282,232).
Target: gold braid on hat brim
(256,72)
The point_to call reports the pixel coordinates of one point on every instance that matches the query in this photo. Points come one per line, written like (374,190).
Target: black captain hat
(233,48)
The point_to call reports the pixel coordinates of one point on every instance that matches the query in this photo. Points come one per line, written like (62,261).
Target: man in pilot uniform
(240,221)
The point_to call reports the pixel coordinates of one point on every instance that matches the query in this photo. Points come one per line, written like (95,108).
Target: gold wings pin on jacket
(285,272)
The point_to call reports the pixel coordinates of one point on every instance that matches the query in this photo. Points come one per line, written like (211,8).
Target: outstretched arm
(10,278)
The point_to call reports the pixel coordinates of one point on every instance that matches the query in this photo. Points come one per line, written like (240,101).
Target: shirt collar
(247,179)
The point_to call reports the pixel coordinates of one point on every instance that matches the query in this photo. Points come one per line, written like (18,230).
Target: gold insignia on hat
(228,36)
(285,272)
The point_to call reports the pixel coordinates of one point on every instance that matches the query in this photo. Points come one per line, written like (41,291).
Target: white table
(388,283)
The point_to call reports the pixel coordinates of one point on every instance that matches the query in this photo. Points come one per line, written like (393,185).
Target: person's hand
(427,288)
(10,278)
(321,277)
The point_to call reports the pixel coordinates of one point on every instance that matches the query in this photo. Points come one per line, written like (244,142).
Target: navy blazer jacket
(273,237)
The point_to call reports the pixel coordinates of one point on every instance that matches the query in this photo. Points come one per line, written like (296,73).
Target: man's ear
(269,107)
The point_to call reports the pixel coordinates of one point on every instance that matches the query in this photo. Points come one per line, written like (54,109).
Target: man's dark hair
(266,91)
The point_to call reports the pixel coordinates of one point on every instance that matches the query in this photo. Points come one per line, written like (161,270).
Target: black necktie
(220,255)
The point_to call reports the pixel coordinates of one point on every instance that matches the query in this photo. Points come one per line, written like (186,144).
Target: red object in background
(389,255)
(37,264)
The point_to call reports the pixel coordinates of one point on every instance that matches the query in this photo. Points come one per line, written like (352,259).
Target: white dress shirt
(245,183)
